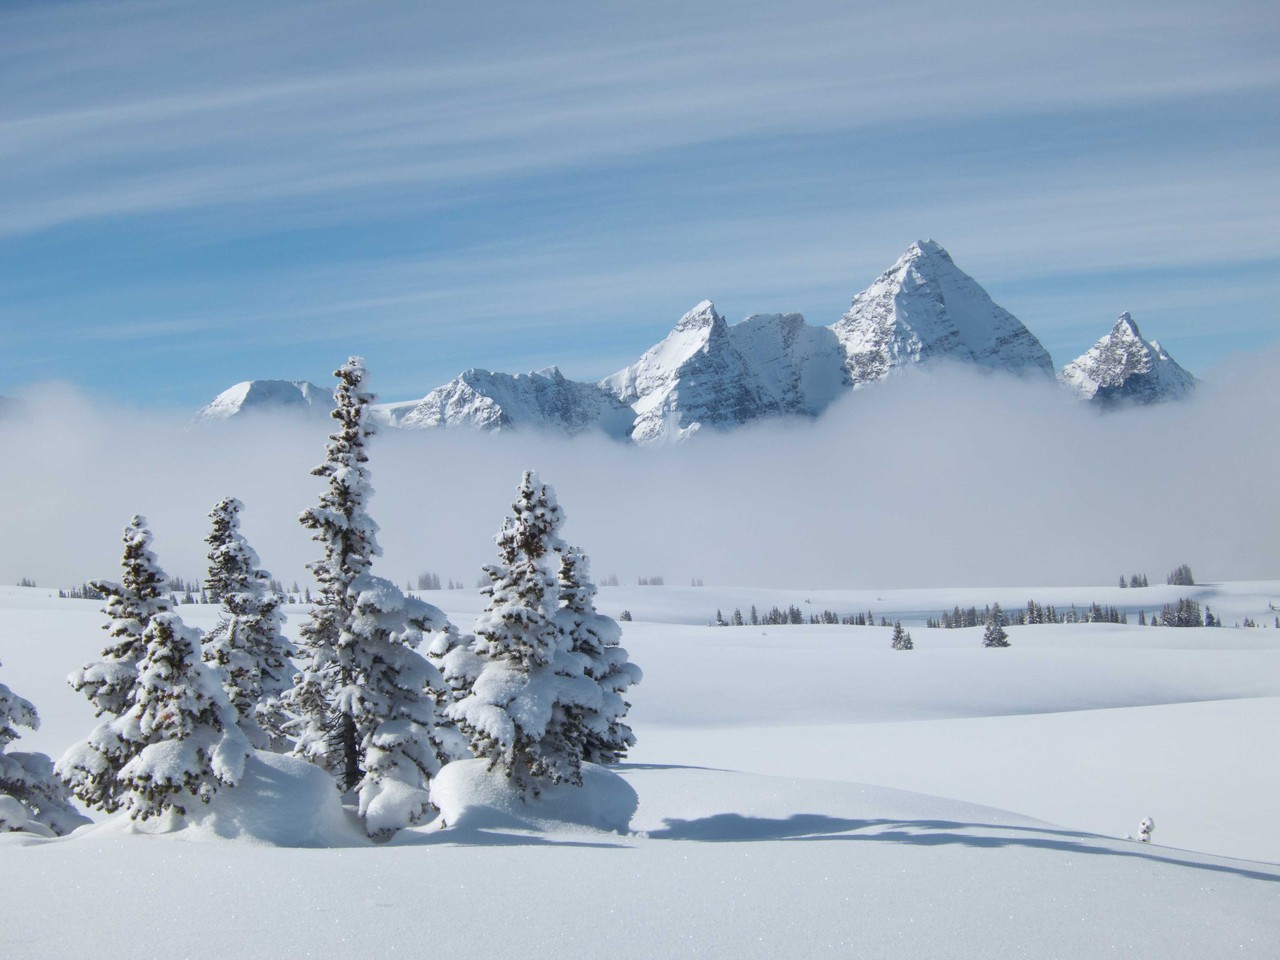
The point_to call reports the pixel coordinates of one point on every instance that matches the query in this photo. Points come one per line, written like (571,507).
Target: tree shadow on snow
(736,828)
(485,827)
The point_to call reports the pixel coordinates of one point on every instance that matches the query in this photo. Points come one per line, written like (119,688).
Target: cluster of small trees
(1181,577)
(431,581)
(776,616)
(1032,613)
(650,582)
(1135,580)
(538,690)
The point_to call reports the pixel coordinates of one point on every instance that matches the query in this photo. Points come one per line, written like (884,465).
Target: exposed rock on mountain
(492,401)
(925,307)
(1122,368)
(707,373)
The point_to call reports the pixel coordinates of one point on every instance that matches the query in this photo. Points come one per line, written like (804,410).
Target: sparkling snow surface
(757,833)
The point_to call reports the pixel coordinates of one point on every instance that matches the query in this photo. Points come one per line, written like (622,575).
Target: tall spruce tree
(519,713)
(32,798)
(602,731)
(90,768)
(247,646)
(365,700)
(183,731)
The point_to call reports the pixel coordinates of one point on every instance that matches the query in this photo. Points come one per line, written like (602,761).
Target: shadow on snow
(736,828)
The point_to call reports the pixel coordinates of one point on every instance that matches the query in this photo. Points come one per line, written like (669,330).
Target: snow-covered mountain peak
(925,307)
(702,317)
(1123,368)
(261,396)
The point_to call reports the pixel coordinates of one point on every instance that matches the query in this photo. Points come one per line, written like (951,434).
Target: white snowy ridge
(708,373)
(1123,368)
(257,396)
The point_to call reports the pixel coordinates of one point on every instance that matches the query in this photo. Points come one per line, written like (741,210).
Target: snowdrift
(472,797)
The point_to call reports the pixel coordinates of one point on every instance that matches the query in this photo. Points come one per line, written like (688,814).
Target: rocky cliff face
(546,400)
(1122,368)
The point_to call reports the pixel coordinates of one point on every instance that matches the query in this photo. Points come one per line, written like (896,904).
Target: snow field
(756,833)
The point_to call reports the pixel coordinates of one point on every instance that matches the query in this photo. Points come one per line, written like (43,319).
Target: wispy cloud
(176,120)
(484,185)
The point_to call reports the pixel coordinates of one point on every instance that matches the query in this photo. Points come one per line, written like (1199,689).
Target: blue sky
(195,194)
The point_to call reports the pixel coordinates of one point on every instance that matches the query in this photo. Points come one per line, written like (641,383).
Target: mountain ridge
(710,374)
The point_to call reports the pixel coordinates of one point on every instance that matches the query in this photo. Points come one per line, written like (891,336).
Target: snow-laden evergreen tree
(247,646)
(32,798)
(184,731)
(131,603)
(111,683)
(365,702)
(603,731)
(995,635)
(901,639)
(518,712)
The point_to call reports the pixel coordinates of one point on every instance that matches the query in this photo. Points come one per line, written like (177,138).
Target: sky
(196,194)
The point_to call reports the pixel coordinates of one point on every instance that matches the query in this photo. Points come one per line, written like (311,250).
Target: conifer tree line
(385,690)
(1032,613)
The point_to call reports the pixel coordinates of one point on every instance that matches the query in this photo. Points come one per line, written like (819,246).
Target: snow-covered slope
(263,396)
(924,307)
(759,832)
(494,401)
(1123,368)
(709,374)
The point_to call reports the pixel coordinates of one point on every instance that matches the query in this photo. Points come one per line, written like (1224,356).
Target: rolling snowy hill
(804,791)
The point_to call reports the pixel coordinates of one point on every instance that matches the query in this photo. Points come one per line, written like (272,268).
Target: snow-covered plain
(803,791)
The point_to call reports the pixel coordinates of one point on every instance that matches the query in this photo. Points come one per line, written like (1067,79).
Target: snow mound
(470,796)
(280,802)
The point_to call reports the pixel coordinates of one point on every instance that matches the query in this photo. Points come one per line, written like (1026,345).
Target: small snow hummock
(471,795)
(279,801)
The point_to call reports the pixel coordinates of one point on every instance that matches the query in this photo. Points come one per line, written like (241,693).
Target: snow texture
(472,796)
(253,397)
(1122,369)
(756,834)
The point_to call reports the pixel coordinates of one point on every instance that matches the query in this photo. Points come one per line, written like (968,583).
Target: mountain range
(709,374)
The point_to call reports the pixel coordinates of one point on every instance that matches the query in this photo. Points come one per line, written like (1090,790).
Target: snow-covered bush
(519,713)
(32,798)
(246,646)
(365,701)
(111,683)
